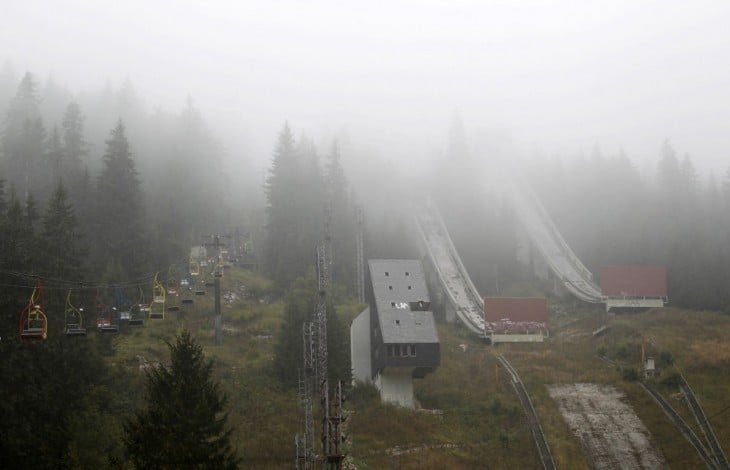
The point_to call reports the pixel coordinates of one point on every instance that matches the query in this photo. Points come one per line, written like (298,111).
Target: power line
(54,283)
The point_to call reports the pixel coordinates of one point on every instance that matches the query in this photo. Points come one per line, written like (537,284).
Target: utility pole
(314,338)
(305,442)
(331,409)
(217,286)
(360,257)
(218,314)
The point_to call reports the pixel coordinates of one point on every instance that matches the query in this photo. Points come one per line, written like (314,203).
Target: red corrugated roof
(634,281)
(515,309)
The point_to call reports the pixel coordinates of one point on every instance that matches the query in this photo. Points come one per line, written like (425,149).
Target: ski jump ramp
(457,284)
(550,243)
(544,236)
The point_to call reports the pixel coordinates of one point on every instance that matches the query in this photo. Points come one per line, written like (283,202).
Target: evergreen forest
(101,196)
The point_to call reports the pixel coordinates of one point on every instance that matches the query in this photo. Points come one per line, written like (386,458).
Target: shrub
(630,374)
(665,359)
(672,380)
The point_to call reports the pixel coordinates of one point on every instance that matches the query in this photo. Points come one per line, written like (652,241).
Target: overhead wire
(53,283)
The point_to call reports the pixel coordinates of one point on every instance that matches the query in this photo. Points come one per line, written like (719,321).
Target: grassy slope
(482,424)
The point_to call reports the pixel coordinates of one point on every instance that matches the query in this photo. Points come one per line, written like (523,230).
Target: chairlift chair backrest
(157,307)
(33,323)
(73,318)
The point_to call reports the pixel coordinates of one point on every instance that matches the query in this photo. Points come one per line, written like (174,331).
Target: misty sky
(558,76)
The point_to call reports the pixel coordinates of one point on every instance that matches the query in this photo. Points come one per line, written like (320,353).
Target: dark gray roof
(397,280)
(398,285)
(198,252)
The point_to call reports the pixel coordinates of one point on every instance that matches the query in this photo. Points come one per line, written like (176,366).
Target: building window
(409,287)
(387,274)
(397,322)
(392,304)
(390,287)
(390,351)
(413,350)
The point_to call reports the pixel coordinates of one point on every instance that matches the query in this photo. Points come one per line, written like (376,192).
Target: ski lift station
(395,340)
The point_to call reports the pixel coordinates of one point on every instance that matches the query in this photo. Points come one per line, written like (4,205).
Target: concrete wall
(428,355)
(516,338)
(634,303)
(360,347)
(396,386)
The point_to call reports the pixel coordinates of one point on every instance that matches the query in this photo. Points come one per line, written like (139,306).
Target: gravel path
(608,428)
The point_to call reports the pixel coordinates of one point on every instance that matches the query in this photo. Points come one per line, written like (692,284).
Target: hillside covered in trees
(98,192)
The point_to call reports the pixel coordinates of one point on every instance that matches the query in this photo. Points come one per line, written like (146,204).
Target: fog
(553,78)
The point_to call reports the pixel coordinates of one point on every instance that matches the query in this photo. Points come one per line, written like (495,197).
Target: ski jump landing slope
(547,239)
(543,234)
(457,284)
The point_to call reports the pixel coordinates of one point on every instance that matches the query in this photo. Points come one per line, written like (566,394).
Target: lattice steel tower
(305,442)
(360,256)
(314,338)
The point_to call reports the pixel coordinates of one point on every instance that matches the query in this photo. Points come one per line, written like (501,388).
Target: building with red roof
(634,286)
(515,319)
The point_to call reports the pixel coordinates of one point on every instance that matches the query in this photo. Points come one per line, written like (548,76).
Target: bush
(630,374)
(496,407)
(672,380)
(363,393)
(666,359)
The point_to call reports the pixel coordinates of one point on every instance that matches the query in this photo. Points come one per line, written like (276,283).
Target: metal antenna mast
(324,265)
(331,410)
(360,257)
(314,338)
(323,284)
(217,283)
(305,442)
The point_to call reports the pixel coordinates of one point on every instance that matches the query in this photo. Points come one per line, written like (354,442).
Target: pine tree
(726,198)
(4,246)
(343,219)
(23,139)
(309,210)
(338,346)
(82,195)
(194,162)
(295,211)
(62,249)
(185,423)
(119,211)
(75,148)
(55,155)
(300,305)
(49,392)
(670,174)
(299,308)
(18,235)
